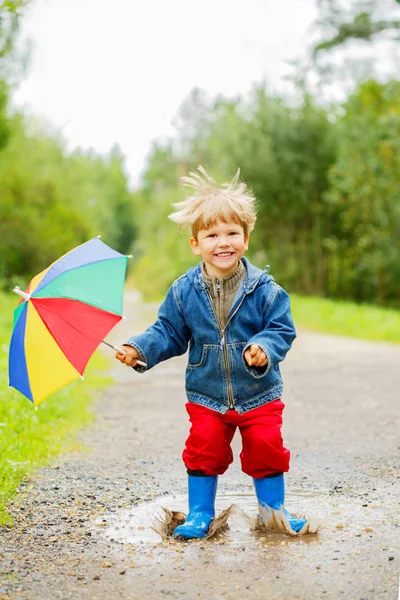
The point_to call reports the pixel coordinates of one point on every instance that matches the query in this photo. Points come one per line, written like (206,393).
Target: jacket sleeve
(169,336)
(277,335)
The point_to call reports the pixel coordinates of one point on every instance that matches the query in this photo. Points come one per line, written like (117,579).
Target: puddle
(346,523)
(133,526)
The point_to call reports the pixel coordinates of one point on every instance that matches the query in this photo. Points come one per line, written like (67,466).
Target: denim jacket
(217,374)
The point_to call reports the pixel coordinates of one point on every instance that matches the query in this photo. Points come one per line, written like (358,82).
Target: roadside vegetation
(338,317)
(29,437)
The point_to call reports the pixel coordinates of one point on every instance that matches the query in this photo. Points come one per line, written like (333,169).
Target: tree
(10,15)
(361,22)
(52,200)
(363,201)
(326,183)
(284,154)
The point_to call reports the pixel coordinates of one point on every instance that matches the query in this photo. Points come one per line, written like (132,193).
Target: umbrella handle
(23,295)
(121,351)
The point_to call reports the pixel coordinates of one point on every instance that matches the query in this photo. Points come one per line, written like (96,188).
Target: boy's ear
(194,246)
(246,242)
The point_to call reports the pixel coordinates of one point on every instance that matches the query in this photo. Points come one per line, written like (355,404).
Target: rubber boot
(202,492)
(271,493)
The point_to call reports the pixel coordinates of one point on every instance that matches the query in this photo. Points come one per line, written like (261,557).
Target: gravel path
(82,525)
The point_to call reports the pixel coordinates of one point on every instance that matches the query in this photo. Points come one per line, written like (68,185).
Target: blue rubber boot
(202,492)
(271,493)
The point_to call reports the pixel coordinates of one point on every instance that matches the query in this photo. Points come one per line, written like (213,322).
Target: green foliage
(10,13)
(30,438)
(284,154)
(326,182)
(53,201)
(4,122)
(161,254)
(361,27)
(9,21)
(363,200)
(360,21)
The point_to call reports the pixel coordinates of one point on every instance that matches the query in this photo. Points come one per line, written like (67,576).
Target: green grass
(346,318)
(30,438)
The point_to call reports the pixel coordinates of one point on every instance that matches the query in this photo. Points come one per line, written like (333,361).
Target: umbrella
(63,316)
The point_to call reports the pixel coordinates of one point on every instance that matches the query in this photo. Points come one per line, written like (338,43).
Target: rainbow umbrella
(63,316)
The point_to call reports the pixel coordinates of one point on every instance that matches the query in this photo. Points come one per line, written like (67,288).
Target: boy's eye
(233,233)
(211,235)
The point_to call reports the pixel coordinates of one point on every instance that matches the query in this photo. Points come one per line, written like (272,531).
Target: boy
(238,326)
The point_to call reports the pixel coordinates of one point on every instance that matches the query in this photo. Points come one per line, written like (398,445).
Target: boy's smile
(221,246)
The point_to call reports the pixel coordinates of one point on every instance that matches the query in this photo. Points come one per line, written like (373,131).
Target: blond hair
(228,202)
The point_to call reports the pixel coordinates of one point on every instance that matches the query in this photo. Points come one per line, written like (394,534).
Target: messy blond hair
(228,202)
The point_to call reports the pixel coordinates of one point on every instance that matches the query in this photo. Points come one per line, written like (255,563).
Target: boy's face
(221,246)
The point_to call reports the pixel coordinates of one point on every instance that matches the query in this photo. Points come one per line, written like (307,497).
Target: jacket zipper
(222,342)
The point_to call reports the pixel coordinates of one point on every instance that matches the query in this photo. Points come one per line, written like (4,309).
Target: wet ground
(83,525)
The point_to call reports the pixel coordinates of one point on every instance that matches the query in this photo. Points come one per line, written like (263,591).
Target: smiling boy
(236,322)
(221,246)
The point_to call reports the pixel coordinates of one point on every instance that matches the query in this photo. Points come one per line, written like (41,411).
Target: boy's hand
(130,358)
(255,356)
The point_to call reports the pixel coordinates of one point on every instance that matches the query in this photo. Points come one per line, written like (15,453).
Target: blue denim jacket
(217,375)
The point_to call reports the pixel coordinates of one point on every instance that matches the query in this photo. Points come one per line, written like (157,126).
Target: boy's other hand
(255,356)
(130,358)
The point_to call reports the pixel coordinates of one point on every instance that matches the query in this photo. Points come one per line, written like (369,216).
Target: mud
(83,526)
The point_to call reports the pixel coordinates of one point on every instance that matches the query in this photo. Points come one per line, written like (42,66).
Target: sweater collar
(251,279)
(231,283)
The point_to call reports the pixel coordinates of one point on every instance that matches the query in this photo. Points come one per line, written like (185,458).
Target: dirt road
(83,525)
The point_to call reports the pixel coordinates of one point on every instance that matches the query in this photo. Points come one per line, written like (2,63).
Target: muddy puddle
(342,517)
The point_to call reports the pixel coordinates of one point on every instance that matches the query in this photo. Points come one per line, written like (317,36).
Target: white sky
(107,72)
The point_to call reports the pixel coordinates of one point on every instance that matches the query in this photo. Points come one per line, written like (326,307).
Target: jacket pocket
(197,359)
(207,376)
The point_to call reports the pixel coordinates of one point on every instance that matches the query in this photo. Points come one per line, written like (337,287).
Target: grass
(30,438)
(346,318)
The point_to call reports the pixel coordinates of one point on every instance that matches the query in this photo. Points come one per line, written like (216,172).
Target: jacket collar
(251,279)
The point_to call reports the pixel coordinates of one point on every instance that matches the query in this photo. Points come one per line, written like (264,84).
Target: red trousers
(208,447)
